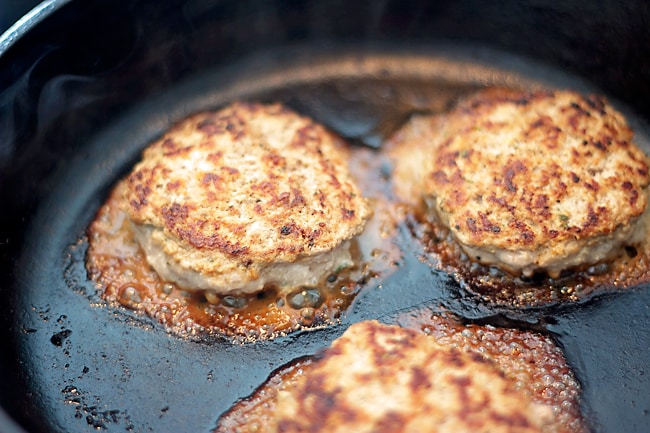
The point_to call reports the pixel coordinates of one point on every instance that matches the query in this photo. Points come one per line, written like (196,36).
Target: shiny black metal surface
(92,82)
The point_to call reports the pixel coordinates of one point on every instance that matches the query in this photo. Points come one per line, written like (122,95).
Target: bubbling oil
(494,286)
(124,278)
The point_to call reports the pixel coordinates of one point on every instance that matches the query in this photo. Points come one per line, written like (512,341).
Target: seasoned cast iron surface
(85,366)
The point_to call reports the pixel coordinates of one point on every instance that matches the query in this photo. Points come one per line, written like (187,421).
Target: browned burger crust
(529,180)
(384,378)
(374,369)
(225,194)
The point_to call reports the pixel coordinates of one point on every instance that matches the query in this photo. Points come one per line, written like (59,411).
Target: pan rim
(28,21)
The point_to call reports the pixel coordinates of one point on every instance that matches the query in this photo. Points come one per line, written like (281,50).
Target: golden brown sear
(378,378)
(250,195)
(529,182)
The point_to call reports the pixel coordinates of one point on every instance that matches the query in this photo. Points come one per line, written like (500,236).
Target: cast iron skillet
(85,85)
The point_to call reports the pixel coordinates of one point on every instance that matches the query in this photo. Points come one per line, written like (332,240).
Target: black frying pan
(84,85)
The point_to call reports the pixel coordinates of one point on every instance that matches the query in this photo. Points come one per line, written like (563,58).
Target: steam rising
(12,100)
(28,108)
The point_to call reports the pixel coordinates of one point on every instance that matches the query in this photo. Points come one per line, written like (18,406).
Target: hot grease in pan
(433,374)
(245,221)
(523,190)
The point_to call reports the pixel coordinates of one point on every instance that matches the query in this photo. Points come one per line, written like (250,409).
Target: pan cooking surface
(86,366)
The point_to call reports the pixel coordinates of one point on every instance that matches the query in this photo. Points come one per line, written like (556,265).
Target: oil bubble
(305,297)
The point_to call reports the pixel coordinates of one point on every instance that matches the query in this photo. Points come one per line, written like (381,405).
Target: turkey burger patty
(528,181)
(253,194)
(384,378)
